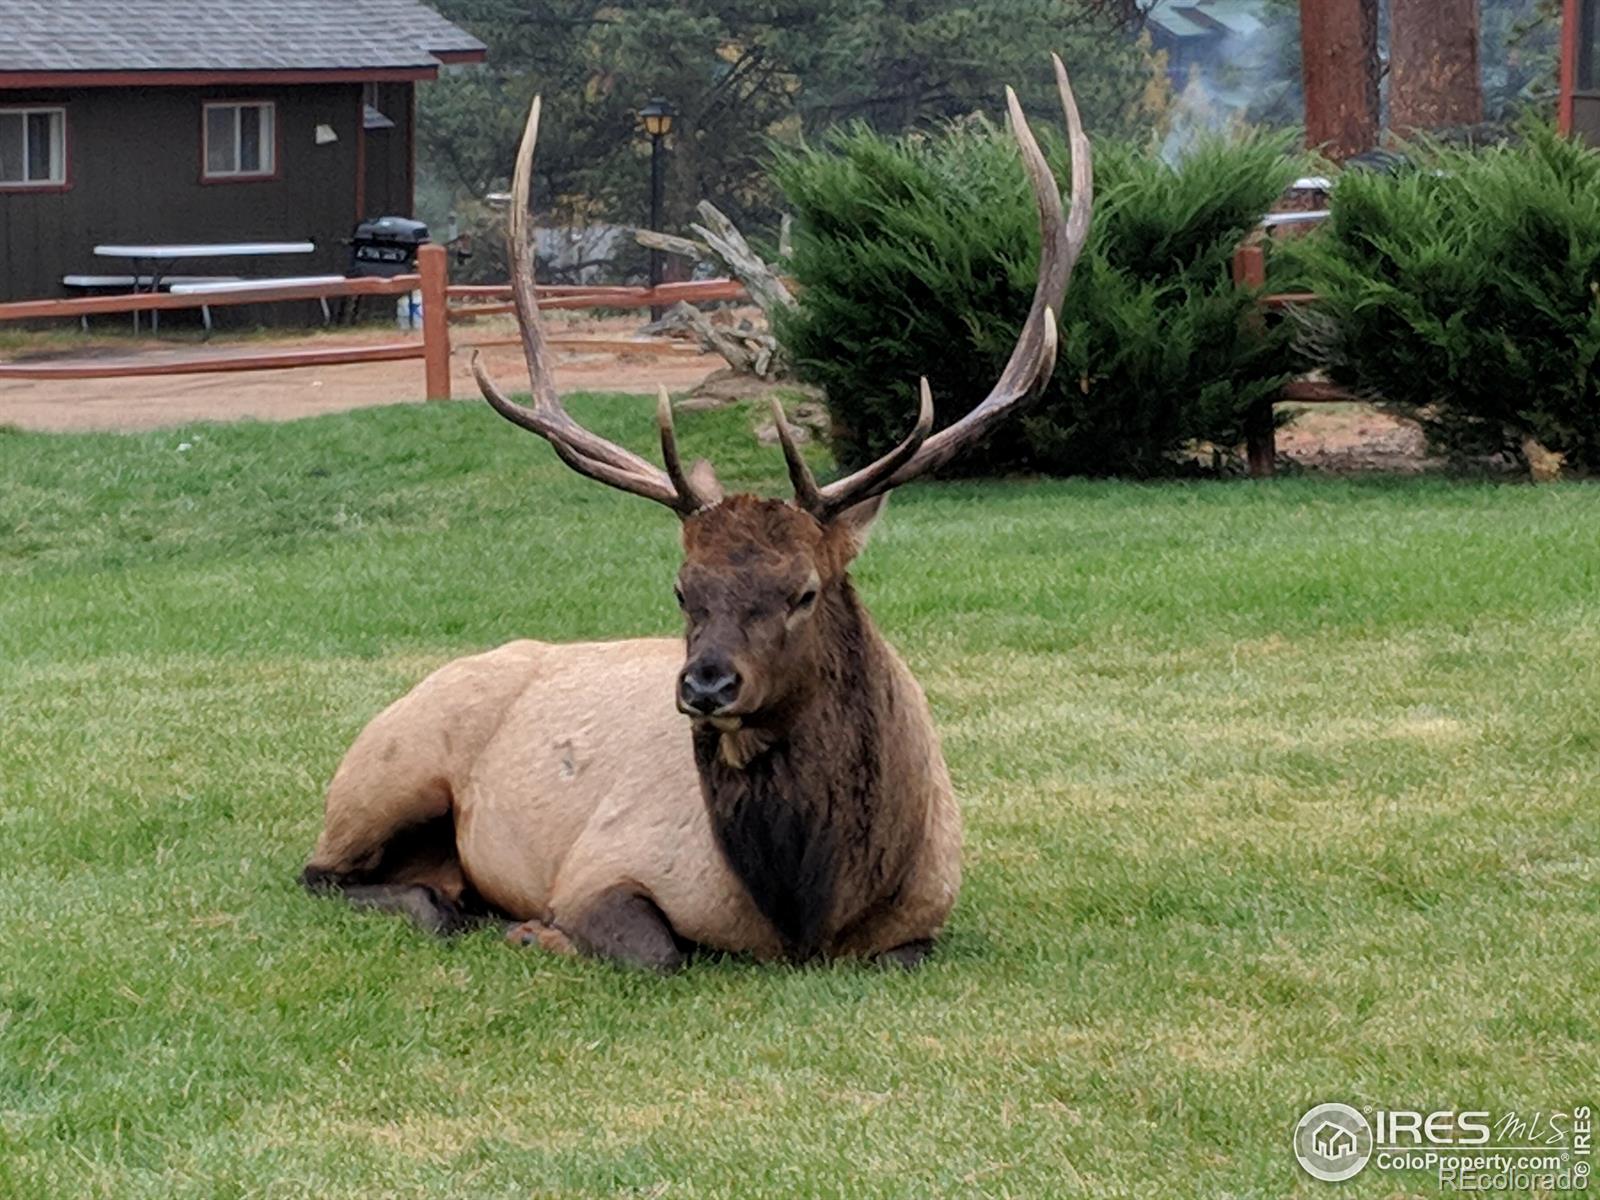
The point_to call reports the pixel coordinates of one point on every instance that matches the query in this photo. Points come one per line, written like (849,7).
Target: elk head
(764,585)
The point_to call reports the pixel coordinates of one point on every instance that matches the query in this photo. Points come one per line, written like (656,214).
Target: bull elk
(779,792)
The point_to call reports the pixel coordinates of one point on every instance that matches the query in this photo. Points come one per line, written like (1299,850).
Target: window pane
(221,156)
(1586,34)
(250,140)
(11,141)
(43,158)
(269,141)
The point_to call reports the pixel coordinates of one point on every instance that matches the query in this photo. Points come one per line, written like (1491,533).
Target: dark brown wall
(1586,116)
(135,171)
(389,186)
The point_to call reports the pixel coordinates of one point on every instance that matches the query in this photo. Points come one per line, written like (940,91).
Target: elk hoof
(908,956)
(537,933)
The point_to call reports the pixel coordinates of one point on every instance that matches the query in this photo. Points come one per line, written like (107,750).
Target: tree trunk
(1433,65)
(1339,65)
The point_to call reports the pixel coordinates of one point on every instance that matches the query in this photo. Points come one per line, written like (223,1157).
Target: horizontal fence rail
(442,303)
(265,360)
(89,306)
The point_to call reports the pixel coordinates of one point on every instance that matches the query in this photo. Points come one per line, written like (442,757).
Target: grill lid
(402,231)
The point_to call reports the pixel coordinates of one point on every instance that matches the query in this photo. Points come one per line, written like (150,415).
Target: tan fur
(570,774)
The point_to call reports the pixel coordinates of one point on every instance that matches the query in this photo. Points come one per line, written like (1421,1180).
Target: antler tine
(681,482)
(806,493)
(1062,238)
(583,451)
(652,486)
(874,478)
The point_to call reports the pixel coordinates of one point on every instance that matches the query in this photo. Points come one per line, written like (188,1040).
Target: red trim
(49,79)
(46,189)
(361,153)
(1570,30)
(460,56)
(209,180)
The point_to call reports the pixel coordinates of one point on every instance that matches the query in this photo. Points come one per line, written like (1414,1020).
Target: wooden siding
(136,177)
(1586,117)
(388,155)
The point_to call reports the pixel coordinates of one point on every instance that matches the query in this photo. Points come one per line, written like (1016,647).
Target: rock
(727,386)
(811,415)
(767,433)
(1544,465)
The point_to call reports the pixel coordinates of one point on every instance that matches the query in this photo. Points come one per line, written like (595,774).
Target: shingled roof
(226,36)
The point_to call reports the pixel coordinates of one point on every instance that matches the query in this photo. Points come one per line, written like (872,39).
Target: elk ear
(853,526)
(703,478)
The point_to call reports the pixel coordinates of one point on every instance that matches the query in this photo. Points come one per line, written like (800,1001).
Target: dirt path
(1340,438)
(125,405)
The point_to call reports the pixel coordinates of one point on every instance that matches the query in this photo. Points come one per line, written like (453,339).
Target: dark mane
(798,825)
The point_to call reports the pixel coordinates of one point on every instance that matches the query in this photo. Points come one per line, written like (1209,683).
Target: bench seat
(257,285)
(251,285)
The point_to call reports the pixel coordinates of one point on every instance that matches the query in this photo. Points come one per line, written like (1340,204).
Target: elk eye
(805,599)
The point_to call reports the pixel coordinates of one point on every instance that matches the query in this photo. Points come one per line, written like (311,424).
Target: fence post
(433,264)
(1250,270)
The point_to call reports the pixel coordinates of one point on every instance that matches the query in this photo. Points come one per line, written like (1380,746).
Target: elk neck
(798,803)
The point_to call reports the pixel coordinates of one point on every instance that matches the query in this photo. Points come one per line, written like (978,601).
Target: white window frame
(269,141)
(59,144)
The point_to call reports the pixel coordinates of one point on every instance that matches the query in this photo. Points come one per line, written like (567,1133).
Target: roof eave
(14,80)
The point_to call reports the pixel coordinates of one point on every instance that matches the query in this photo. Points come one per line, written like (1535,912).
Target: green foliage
(1464,293)
(741,72)
(918,257)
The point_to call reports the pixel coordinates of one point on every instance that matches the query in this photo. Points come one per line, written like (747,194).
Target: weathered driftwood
(747,350)
(668,244)
(725,240)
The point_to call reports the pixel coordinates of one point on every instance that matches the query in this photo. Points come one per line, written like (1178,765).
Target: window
(372,108)
(240,141)
(33,147)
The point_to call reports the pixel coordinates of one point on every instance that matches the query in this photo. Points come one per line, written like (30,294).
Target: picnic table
(154,261)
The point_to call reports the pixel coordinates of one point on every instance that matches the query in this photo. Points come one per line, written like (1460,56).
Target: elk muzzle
(709,684)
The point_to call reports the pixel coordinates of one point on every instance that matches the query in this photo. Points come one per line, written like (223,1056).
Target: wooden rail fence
(433,348)
(1250,270)
(444,304)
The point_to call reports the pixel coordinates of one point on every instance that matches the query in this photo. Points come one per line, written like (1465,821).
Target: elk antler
(583,451)
(1061,242)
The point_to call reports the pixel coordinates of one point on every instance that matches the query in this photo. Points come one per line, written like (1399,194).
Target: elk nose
(707,686)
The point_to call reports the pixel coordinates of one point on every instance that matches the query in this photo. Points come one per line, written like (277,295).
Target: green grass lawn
(1275,794)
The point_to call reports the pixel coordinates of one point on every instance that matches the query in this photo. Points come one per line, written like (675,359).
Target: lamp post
(657,117)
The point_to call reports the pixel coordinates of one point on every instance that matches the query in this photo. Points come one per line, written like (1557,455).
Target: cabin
(206,121)
(1206,36)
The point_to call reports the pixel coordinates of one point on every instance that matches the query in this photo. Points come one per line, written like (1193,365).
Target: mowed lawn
(1276,794)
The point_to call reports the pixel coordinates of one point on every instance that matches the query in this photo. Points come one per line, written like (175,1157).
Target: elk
(771,784)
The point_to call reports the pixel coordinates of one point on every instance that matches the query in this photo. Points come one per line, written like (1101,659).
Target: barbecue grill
(383,247)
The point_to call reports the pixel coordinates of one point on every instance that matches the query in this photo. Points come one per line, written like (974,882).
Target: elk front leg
(618,924)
